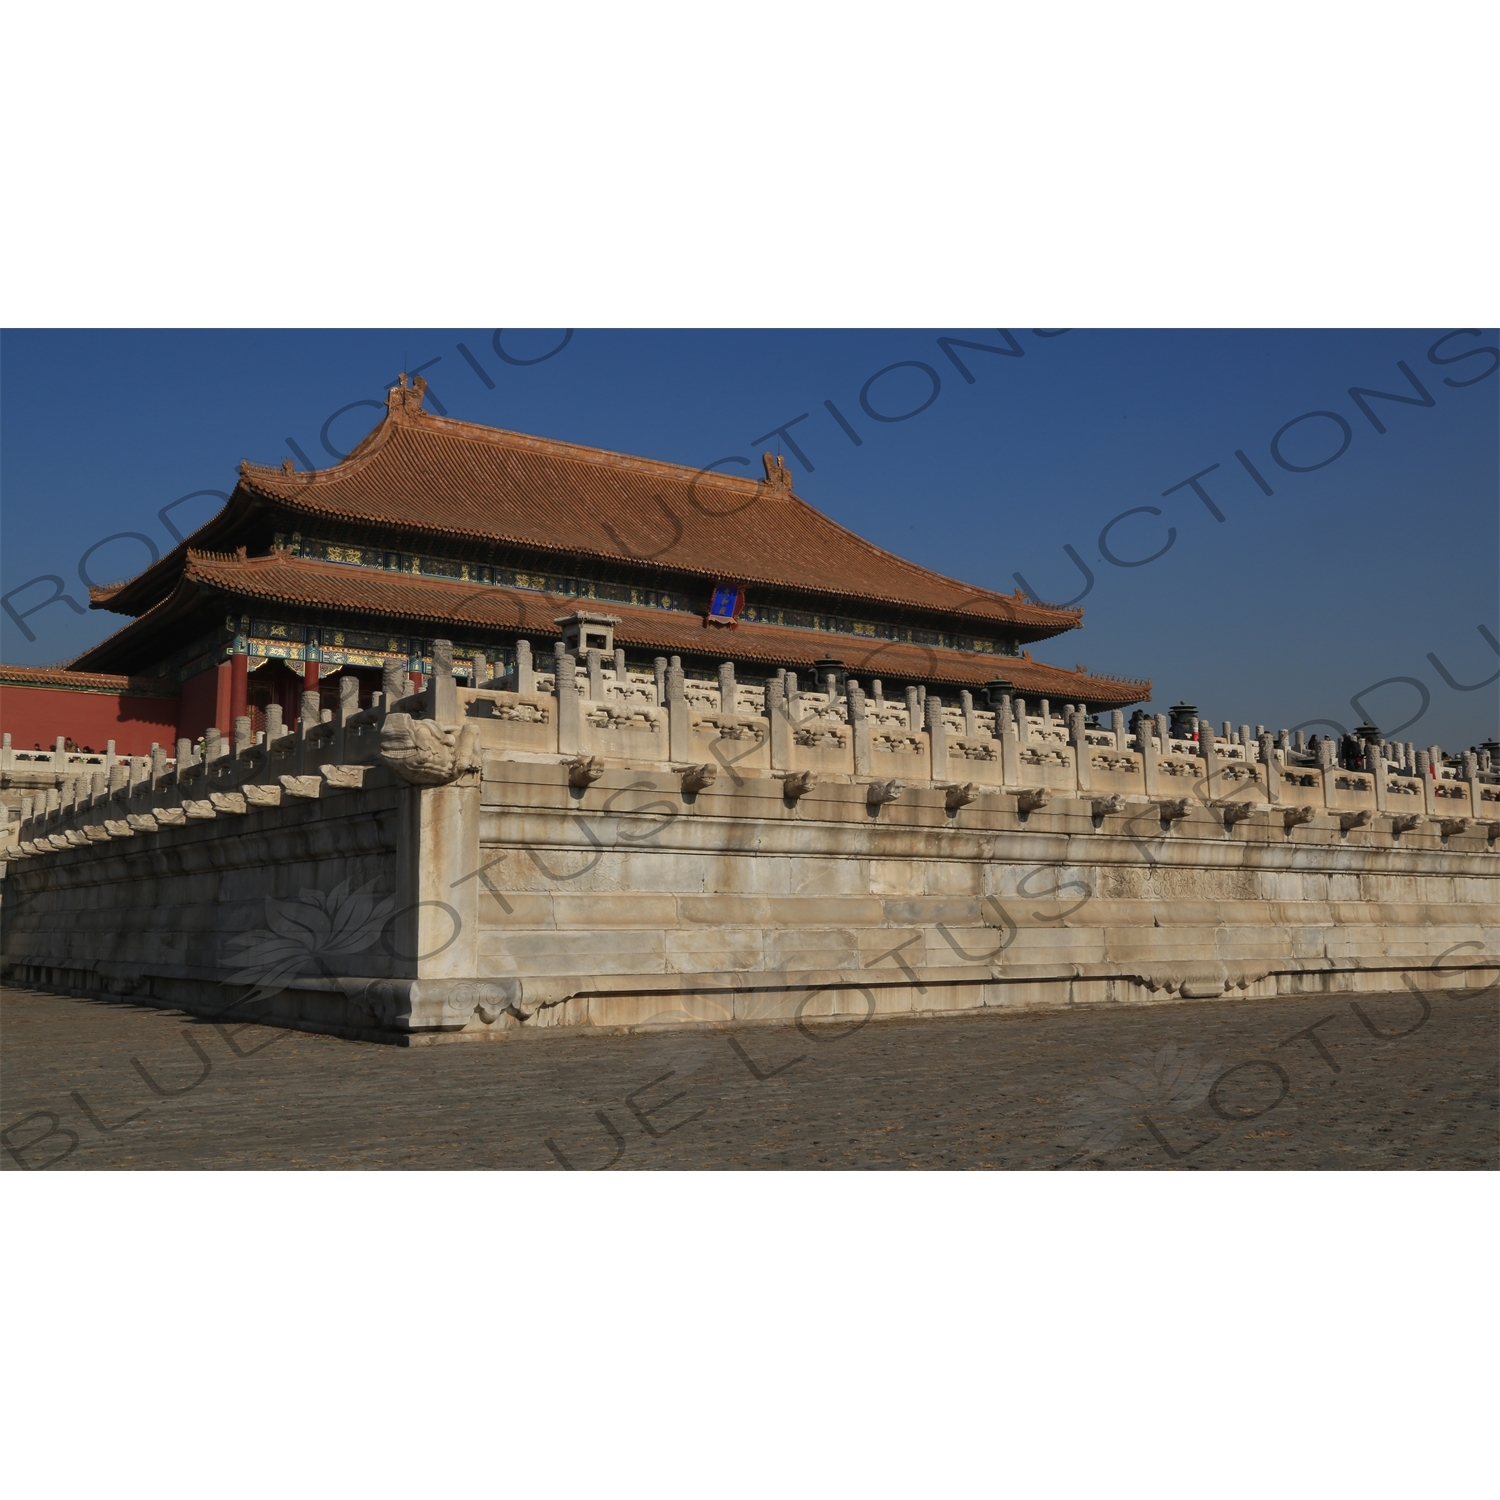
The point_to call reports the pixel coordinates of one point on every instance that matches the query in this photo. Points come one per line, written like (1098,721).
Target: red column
(222,676)
(310,677)
(239,687)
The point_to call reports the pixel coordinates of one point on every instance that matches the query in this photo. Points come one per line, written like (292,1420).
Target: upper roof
(446,606)
(417,473)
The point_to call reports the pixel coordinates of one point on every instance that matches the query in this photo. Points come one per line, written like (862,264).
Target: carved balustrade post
(1208,752)
(1471,775)
(1272,770)
(525,671)
(779,715)
(1328,769)
(1083,758)
(444,695)
(1375,761)
(679,721)
(1010,744)
(348,707)
(307,721)
(1429,786)
(569,712)
(274,731)
(859,728)
(937,739)
(1148,743)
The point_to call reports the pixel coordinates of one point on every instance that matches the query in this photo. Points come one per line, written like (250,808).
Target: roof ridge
(357,458)
(416,420)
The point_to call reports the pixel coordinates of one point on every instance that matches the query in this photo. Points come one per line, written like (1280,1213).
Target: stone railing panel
(633,688)
(1116,772)
(1451,798)
(975,758)
(742,741)
(618,730)
(1047,764)
(824,743)
(899,752)
(512,721)
(1350,791)
(1178,774)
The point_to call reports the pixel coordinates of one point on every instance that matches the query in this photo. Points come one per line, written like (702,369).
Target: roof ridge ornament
(406,395)
(778,476)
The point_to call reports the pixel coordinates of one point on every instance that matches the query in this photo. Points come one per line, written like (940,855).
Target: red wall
(37,715)
(201,705)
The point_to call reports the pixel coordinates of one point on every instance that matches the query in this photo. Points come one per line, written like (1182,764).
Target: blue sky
(1348,574)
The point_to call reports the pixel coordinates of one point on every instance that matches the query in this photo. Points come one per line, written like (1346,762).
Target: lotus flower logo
(303,934)
(1174,1079)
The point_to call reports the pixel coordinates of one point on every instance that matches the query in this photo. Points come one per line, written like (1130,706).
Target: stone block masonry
(648,851)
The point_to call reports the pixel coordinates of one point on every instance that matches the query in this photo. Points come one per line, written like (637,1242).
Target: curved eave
(448,608)
(183,599)
(141,594)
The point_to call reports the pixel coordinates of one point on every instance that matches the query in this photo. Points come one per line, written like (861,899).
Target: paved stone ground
(1392,1081)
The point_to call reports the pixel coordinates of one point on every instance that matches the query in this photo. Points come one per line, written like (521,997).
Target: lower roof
(86,682)
(447,607)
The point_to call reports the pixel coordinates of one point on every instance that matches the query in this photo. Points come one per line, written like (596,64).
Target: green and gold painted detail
(606,591)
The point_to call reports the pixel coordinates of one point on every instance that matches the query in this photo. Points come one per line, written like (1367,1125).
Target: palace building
(434,528)
(759,770)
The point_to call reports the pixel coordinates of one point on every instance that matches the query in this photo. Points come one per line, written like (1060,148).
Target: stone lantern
(1184,720)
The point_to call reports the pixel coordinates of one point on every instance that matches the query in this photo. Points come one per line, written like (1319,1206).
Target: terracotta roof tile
(87,682)
(418,472)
